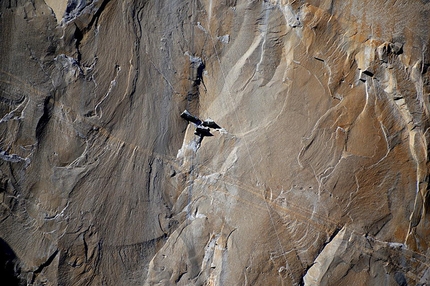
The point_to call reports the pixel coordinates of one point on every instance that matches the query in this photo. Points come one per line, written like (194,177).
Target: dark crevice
(46,263)
(196,69)
(180,276)
(149,180)
(78,35)
(75,8)
(71,6)
(199,75)
(426,200)
(96,16)
(9,269)
(85,246)
(136,15)
(330,239)
(366,72)
(100,249)
(44,119)
(43,266)
(332,236)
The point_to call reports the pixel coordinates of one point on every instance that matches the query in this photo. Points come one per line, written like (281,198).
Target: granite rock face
(318,174)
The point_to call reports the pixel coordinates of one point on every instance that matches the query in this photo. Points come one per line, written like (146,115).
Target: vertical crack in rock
(84,11)
(44,265)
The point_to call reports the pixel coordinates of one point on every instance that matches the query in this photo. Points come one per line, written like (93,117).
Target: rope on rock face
(189,99)
(248,150)
(190,96)
(190,93)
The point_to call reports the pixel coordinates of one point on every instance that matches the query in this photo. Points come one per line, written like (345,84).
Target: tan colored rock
(59,8)
(317,176)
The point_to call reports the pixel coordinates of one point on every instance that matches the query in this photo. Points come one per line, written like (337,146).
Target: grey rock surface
(318,176)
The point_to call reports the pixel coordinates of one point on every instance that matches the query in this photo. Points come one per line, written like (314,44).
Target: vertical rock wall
(317,176)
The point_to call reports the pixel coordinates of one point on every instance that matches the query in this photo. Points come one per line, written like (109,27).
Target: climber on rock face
(203,127)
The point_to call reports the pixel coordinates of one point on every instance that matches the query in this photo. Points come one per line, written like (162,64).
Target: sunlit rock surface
(318,174)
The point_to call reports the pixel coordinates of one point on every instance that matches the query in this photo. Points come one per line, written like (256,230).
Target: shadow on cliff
(8,265)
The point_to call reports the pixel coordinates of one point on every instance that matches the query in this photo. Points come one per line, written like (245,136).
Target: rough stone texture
(319,175)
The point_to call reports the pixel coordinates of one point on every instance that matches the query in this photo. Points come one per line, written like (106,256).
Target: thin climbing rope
(189,98)
(248,150)
(192,51)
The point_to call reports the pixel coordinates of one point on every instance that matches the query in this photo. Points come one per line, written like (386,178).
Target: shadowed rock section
(318,176)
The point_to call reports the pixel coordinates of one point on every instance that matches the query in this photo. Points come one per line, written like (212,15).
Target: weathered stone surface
(317,176)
